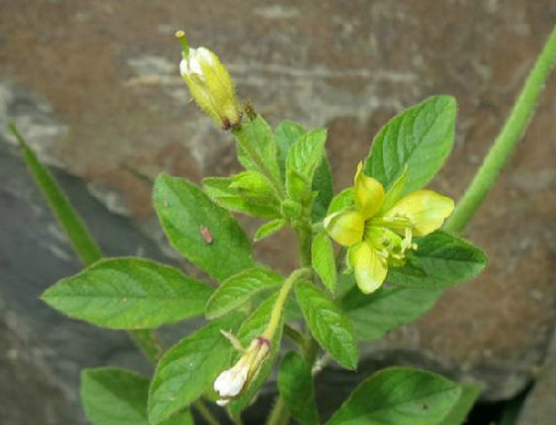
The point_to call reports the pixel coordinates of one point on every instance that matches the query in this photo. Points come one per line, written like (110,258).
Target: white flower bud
(231,382)
(192,65)
(209,83)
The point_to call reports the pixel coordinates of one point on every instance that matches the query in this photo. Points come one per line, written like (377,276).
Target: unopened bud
(209,83)
(231,382)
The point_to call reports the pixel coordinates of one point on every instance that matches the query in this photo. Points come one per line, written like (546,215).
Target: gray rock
(539,407)
(42,352)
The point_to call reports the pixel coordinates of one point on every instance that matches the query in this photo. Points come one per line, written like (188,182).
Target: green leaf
(255,189)
(258,135)
(251,328)
(112,396)
(328,324)
(185,212)
(323,260)
(269,229)
(324,187)
(295,384)
(342,200)
(129,293)
(420,138)
(399,396)
(440,260)
(189,369)
(395,193)
(298,187)
(306,154)
(469,395)
(238,289)
(84,245)
(220,191)
(387,308)
(285,135)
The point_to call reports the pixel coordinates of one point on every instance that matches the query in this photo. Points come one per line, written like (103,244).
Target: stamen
(406,243)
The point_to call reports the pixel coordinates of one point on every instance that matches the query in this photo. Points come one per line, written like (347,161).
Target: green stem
(259,162)
(204,411)
(304,235)
(84,245)
(237,420)
(279,414)
(294,335)
(148,341)
(278,308)
(507,139)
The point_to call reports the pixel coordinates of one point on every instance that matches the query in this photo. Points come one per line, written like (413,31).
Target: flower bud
(231,382)
(209,84)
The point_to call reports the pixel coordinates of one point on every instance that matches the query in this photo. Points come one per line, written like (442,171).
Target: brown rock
(110,71)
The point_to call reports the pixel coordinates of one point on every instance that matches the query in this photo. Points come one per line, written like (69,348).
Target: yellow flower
(209,83)
(379,228)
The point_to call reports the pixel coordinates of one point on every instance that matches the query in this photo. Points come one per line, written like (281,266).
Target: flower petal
(369,193)
(426,209)
(369,267)
(230,382)
(345,227)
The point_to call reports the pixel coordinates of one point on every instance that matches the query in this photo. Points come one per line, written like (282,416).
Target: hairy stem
(278,309)
(506,141)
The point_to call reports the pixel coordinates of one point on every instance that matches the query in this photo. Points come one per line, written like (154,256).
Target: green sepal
(251,328)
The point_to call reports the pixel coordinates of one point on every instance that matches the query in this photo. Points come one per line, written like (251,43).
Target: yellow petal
(345,227)
(369,193)
(426,210)
(369,267)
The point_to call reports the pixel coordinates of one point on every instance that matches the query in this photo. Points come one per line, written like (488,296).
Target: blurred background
(95,88)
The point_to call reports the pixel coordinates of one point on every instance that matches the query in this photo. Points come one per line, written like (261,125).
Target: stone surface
(539,407)
(42,352)
(109,71)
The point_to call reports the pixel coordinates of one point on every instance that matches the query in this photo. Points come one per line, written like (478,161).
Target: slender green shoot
(503,146)
(85,246)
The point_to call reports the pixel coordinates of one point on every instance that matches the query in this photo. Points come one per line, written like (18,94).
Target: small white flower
(192,65)
(230,382)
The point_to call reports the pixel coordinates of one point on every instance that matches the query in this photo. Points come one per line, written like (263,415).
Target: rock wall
(94,87)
